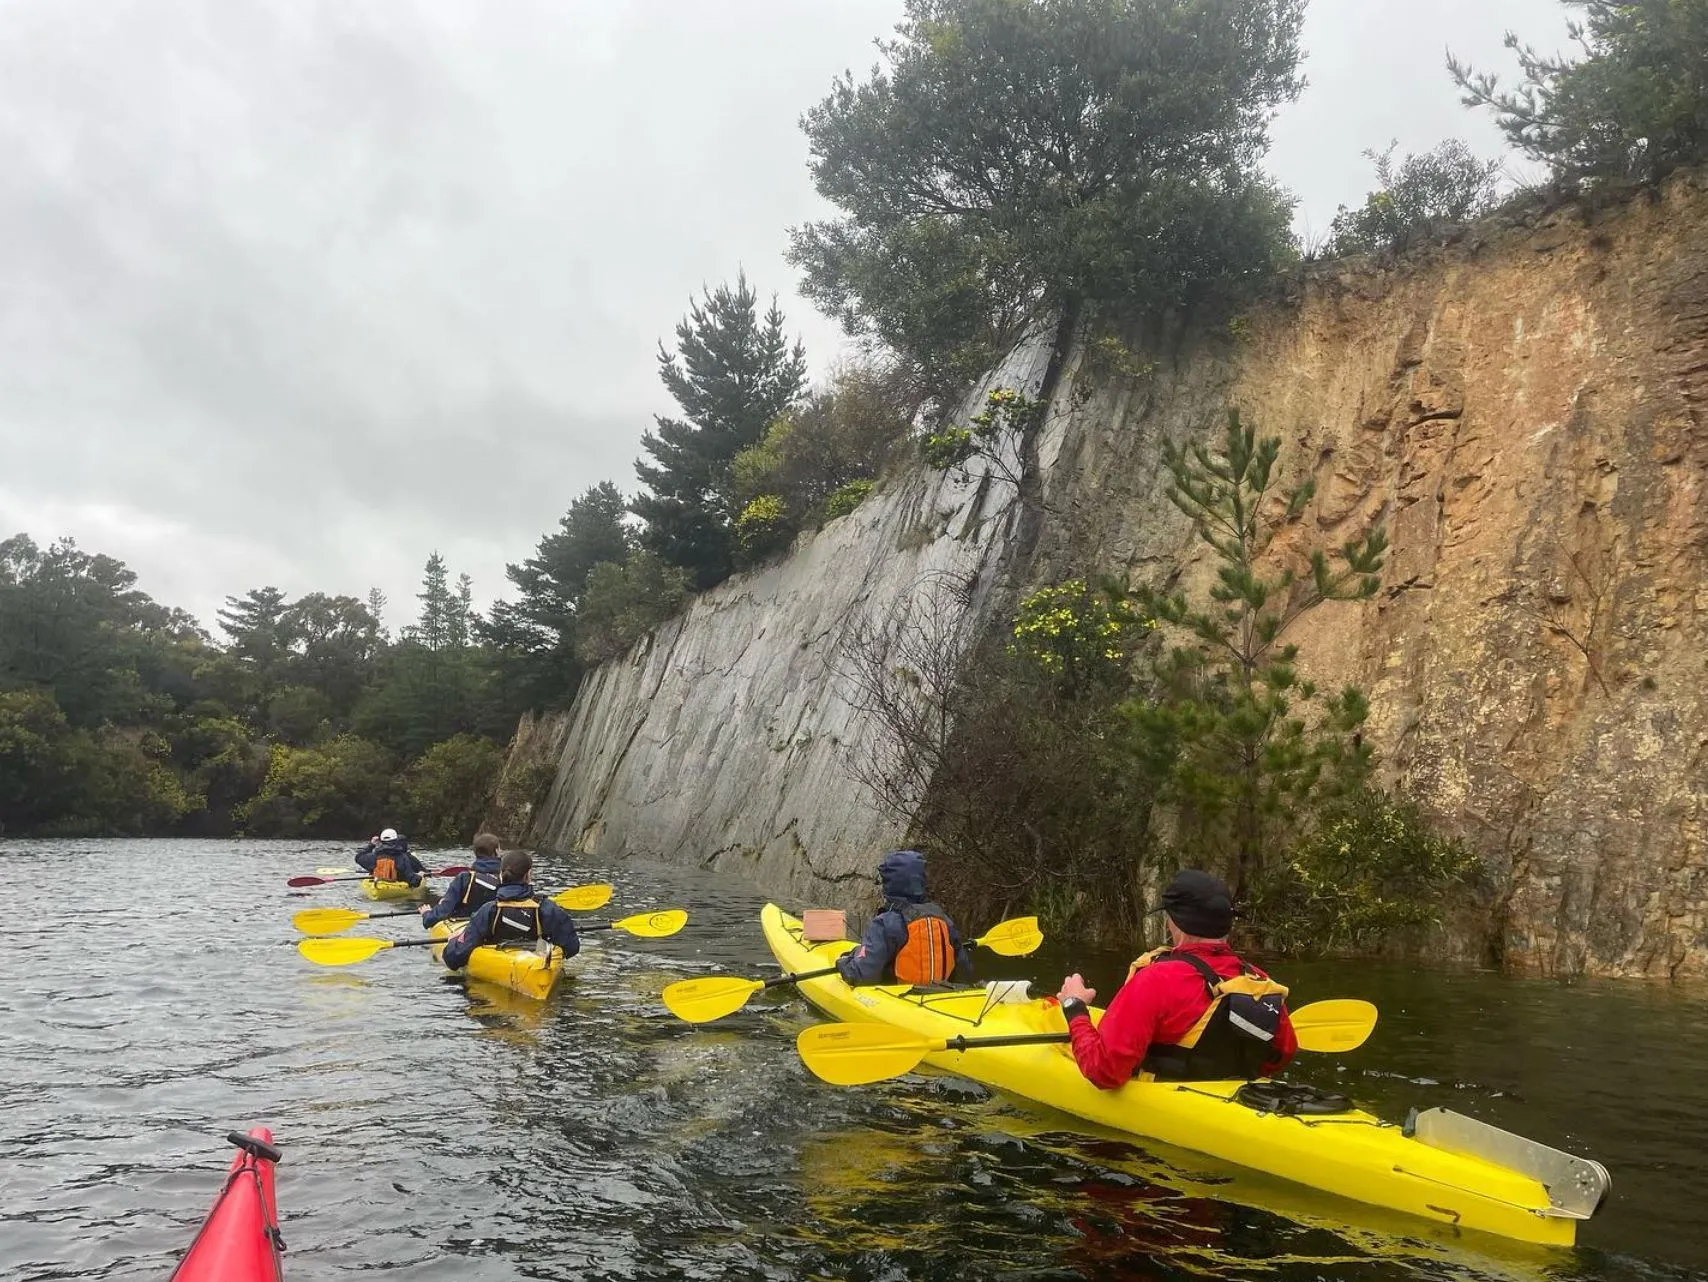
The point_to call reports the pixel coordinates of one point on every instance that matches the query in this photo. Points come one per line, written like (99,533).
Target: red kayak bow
(240,1240)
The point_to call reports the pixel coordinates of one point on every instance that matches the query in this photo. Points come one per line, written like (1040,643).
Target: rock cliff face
(1526,409)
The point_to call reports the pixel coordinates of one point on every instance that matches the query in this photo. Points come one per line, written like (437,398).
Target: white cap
(389,834)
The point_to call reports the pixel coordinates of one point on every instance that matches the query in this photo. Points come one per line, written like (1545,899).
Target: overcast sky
(293,292)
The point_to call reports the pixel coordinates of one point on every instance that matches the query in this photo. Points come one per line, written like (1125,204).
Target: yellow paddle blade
(326,921)
(341,952)
(334,872)
(653,925)
(582,899)
(854,1054)
(699,1001)
(1338,1025)
(1016,937)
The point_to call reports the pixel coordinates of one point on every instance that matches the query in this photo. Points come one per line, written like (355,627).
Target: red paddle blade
(308,881)
(455,870)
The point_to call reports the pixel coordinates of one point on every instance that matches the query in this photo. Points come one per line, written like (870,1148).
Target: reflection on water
(454,1130)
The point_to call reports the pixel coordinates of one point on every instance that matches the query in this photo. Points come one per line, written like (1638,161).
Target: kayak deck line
(1361,1157)
(240,1240)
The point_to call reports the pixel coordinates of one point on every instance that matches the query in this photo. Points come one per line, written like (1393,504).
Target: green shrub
(763,526)
(840,435)
(1007,415)
(446,792)
(1423,194)
(331,790)
(624,601)
(1369,871)
(844,499)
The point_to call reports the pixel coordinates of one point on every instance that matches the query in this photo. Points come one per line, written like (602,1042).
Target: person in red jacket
(1192,1011)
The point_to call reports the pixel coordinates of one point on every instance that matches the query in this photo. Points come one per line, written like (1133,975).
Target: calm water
(446,1133)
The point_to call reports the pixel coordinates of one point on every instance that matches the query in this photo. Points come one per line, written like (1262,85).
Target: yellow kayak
(1354,1154)
(395,889)
(521,970)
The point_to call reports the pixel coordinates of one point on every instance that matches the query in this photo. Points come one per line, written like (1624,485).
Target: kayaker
(387,857)
(514,916)
(912,941)
(1191,1011)
(469,890)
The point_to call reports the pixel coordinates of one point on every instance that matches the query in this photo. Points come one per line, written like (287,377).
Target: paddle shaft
(297,883)
(805,974)
(821,974)
(1018,1039)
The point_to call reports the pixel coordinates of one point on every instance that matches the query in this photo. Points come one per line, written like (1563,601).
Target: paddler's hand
(1074,990)
(426,908)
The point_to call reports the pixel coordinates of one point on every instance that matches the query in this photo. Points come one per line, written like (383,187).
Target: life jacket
(1234,1037)
(479,890)
(385,869)
(516,921)
(928,954)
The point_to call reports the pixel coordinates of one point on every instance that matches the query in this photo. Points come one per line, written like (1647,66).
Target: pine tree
(534,637)
(462,611)
(253,624)
(732,373)
(1225,714)
(376,607)
(434,629)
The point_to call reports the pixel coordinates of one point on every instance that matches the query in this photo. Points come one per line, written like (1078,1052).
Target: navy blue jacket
(413,869)
(903,876)
(450,903)
(559,927)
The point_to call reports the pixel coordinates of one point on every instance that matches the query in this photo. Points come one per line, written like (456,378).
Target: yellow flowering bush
(1077,633)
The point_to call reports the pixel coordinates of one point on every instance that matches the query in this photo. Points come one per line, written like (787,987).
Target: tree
(1008,759)
(439,626)
(534,636)
(445,792)
(1020,159)
(33,784)
(376,607)
(328,791)
(626,600)
(733,372)
(1222,713)
(73,623)
(331,644)
(1633,107)
(1425,193)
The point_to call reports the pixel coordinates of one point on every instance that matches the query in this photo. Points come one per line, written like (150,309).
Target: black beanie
(1200,904)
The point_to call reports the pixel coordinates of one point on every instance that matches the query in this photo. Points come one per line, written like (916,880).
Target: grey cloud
(294,291)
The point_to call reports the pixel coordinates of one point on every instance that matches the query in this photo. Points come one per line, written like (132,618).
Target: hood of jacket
(487,866)
(903,876)
(396,846)
(513,891)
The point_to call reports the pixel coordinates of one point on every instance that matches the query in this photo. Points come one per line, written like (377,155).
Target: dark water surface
(435,1131)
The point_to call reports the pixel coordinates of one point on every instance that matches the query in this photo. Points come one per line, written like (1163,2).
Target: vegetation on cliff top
(1011,164)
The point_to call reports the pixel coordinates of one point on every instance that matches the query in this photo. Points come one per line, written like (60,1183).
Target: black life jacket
(1234,1037)
(479,890)
(515,921)
(928,955)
